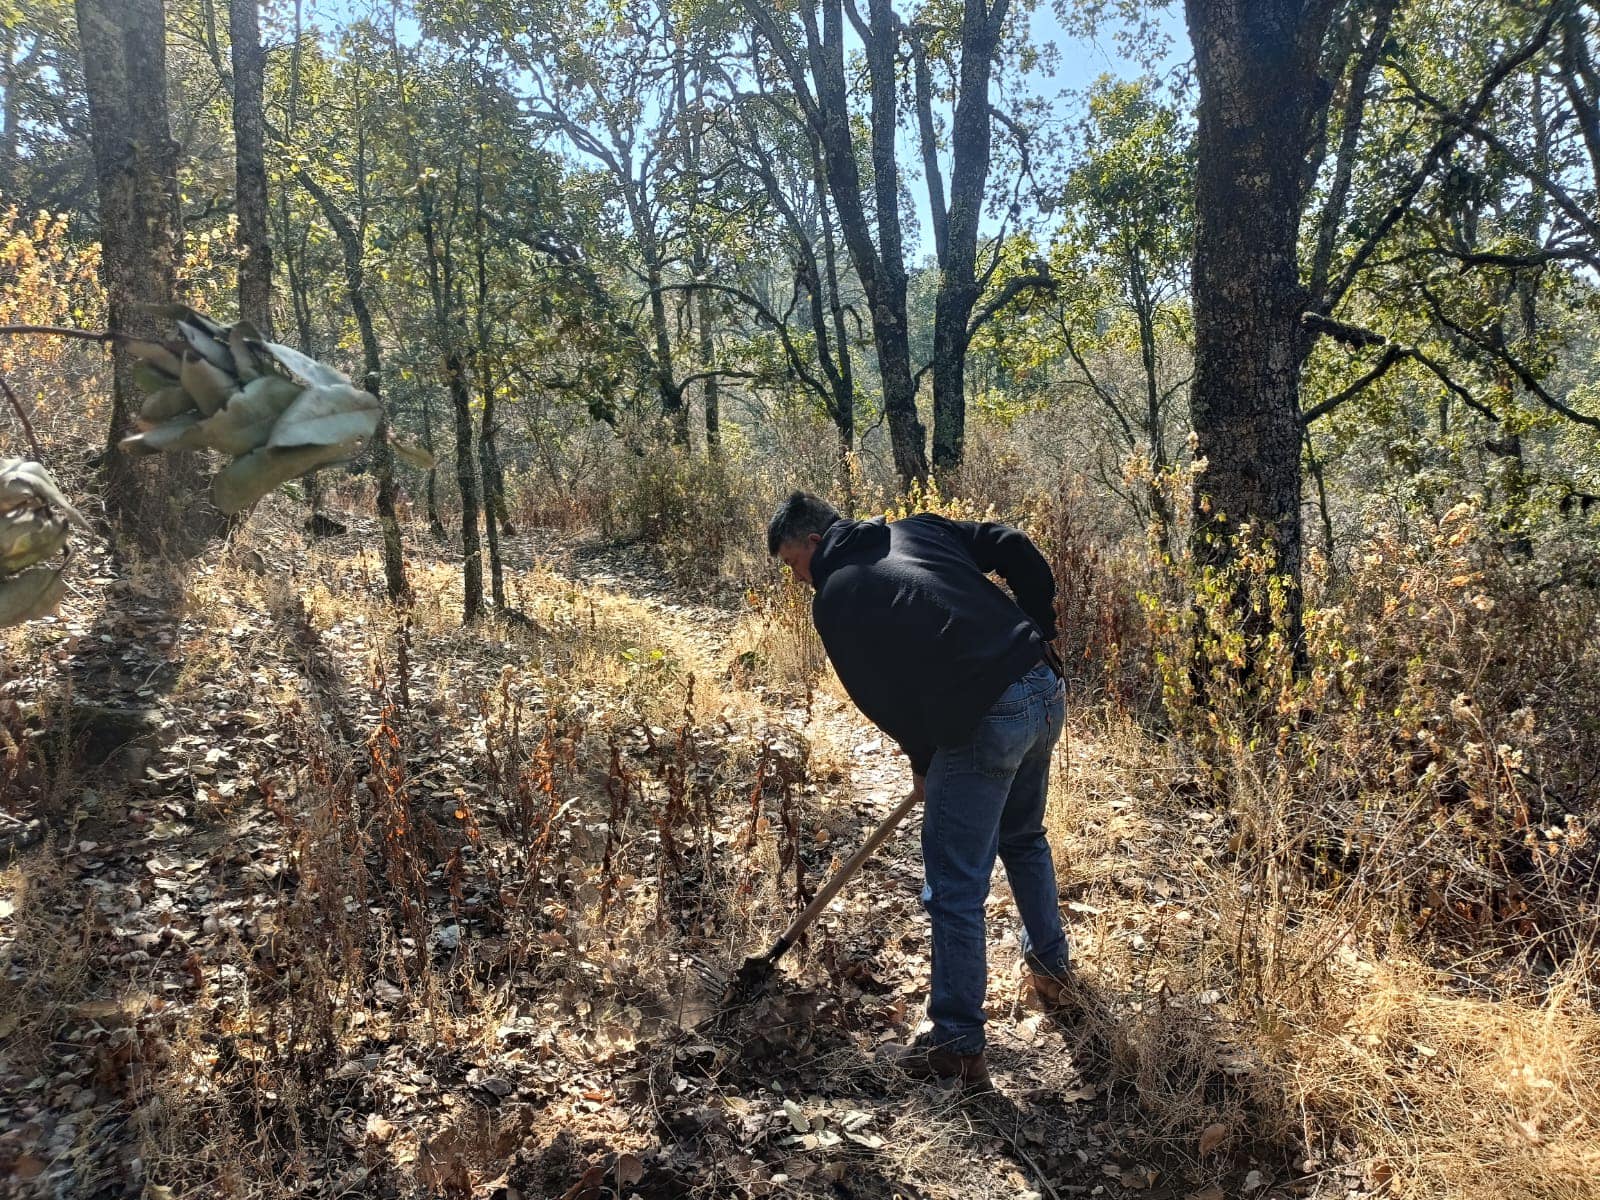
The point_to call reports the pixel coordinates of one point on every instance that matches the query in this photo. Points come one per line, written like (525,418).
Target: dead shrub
(1428,758)
(702,514)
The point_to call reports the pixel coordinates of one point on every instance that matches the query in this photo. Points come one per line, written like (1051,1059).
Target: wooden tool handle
(831,888)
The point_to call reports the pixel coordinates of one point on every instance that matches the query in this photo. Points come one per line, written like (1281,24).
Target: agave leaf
(246,364)
(209,385)
(326,416)
(208,345)
(180,313)
(34,593)
(149,379)
(413,453)
(245,480)
(21,480)
(157,354)
(303,367)
(162,406)
(176,434)
(29,537)
(246,423)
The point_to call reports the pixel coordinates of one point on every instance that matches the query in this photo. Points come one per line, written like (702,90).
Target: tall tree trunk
(123,44)
(700,258)
(300,306)
(489,463)
(1260,98)
(1156,451)
(250,165)
(673,407)
(880,265)
(708,356)
(435,524)
(488,459)
(467,482)
(969,175)
(887,296)
(842,376)
(442,289)
(829,332)
(355,286)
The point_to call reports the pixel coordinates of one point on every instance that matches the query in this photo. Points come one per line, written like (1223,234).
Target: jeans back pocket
(1004,737)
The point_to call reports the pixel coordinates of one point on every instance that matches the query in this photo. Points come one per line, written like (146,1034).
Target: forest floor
(298,898)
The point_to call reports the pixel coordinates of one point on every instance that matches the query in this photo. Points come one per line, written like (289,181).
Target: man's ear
(813,539)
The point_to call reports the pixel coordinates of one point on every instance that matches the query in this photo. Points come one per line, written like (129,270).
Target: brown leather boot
(923,1060)
(1056,993)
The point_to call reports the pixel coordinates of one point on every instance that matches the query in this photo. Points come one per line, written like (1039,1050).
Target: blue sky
(1085,59)
(1081,60)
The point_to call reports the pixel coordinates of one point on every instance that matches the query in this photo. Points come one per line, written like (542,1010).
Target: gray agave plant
(34,522)
(275,411)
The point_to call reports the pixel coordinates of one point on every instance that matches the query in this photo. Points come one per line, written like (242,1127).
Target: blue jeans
(984,798)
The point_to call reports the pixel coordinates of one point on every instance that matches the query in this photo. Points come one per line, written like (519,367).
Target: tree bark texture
(250,165)
(123,44)
(891,327)
(958,283)
(1260,98)
(673,407)
(708,357)
(816,263)
(431,490)
(483,367)
(493,503)
(467,481)
(441,284)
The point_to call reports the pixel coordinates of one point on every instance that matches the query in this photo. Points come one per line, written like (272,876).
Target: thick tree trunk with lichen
(1260,99)
(124,53)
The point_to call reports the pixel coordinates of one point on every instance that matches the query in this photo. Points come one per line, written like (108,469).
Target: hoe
(757,972)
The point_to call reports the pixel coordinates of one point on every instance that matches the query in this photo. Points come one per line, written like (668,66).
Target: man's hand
(919,787)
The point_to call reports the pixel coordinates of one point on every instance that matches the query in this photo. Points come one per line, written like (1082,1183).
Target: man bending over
(960,675)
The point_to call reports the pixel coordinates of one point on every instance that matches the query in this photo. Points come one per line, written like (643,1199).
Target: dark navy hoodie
(921,638)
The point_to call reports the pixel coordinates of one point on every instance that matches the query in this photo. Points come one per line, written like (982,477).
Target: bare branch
(930,145)
(86,335)
(22,417)
(1041,280)
(1349,135)
(718,373)
(1353,336)
(1497,350)
(1391,355)
(1409,190)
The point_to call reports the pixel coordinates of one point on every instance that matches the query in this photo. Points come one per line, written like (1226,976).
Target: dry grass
(584,839)
(1449,1094)
(1242,998)
(775,644)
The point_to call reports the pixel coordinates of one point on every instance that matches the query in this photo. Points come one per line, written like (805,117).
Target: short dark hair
(801,515)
